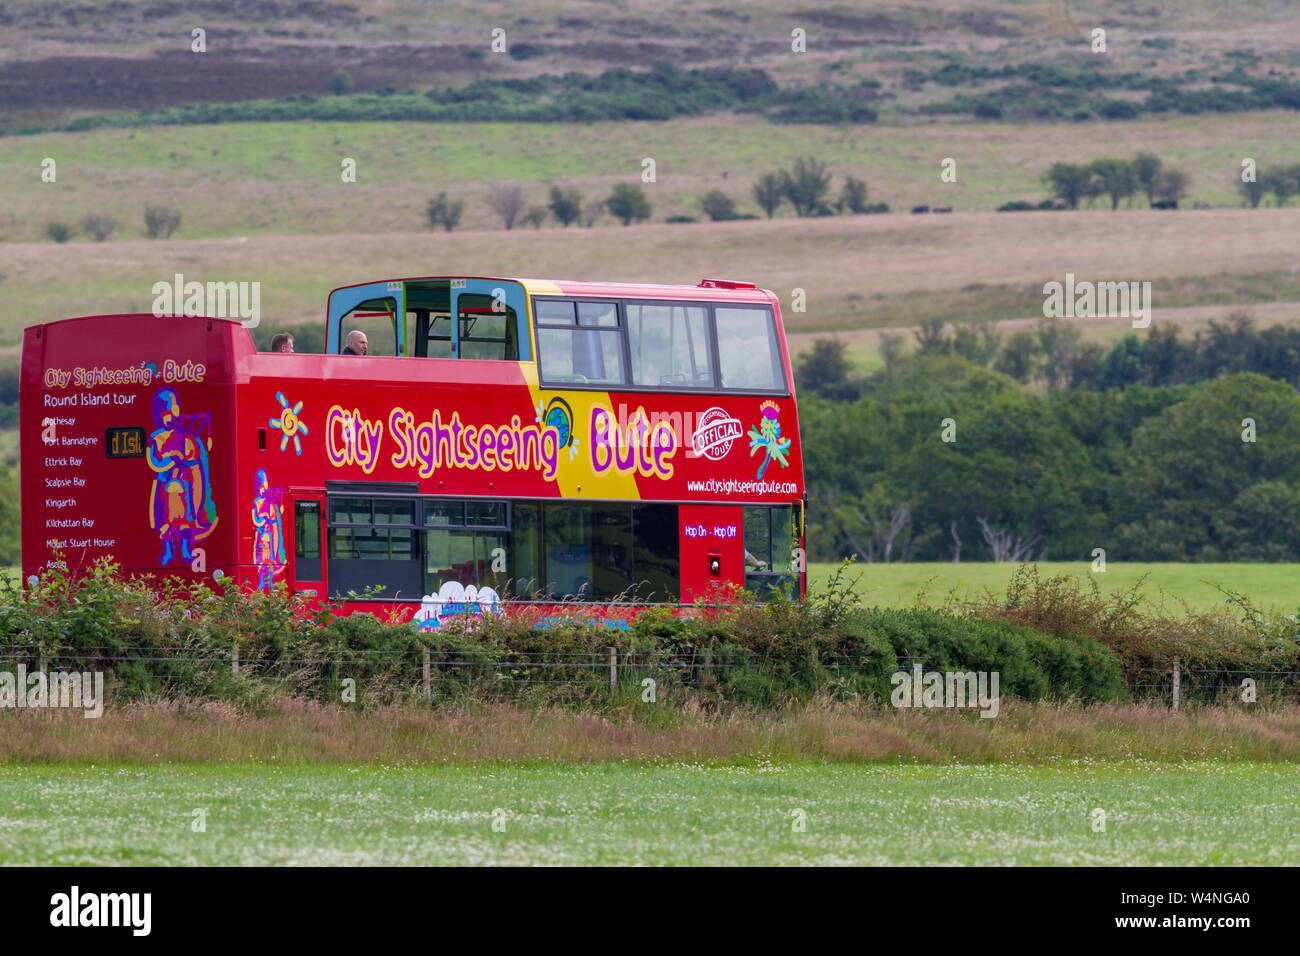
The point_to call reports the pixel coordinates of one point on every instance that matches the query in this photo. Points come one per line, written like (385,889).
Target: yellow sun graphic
(289,423)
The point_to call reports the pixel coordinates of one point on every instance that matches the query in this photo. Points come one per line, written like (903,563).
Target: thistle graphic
(767,436)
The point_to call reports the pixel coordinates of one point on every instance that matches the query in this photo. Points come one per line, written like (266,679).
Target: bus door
(307,556)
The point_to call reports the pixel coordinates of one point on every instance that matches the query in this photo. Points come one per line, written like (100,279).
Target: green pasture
(274,178)
(619,814)
(1275,586)
(1268,586)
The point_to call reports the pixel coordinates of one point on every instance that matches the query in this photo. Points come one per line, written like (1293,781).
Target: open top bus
(503,439)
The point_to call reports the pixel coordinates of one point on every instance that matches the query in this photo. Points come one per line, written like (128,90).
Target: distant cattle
(1171,204)
(942,209)
(917,210)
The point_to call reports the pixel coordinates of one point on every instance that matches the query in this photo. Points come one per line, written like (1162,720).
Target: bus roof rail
(725,284)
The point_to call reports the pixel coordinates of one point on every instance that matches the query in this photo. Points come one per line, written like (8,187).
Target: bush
(1031,665)
(341,83)
(853,196)
(525,51)
(10,540)
(824,103)
(628,203)
(59,232)
(717,205)
(566,205)
(805,185)
(769,193)
(1062,607)
(161,221)
(445,212)
(507,201)
(99,225)
(1119,109)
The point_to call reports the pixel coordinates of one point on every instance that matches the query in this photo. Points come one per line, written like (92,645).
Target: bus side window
(375,320)
(748,352)
(432,333)
(487,328)
(670,345)
(579,343)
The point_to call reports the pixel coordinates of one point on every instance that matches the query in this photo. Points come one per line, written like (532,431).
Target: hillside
(138,54)
(859,272)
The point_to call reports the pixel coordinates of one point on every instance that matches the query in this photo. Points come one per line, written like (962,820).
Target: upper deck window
(374,320)
(659,345)
(580,343)
(487,328)
(670,345)
(749,358)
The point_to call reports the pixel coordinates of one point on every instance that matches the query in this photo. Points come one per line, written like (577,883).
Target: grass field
(275,178)
(1275,586)
(857,272)
(747,814)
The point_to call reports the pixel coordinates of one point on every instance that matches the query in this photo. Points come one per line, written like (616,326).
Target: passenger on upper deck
(282,342)
(356,343)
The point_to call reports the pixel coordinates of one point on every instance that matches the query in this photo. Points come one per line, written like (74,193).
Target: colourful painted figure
(768,437)
(268,536)
(181,511)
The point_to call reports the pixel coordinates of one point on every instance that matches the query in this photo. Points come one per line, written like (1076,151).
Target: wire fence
(331,674)
(438,674)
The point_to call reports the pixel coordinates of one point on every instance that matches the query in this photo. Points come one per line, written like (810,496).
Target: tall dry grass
(300,731)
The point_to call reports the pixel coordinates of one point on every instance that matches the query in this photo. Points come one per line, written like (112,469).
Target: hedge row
(1049,637)
(172,640)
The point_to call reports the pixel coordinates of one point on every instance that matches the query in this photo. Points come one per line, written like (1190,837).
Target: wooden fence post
(1178,674)
(234,660)
(613,670)
(40,652)
(428,676)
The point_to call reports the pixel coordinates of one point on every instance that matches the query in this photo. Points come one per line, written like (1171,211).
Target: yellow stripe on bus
(574,474)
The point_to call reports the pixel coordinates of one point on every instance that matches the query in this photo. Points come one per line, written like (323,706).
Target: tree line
(1037,91)
(1053,355)
(806,187)
(159,223)
(1118,180)
(935,458)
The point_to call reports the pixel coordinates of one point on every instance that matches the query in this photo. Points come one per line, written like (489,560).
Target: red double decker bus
(499,439)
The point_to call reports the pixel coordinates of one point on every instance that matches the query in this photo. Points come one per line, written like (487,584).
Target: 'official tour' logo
(715,432)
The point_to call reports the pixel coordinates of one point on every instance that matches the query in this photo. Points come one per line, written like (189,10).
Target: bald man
(357,344)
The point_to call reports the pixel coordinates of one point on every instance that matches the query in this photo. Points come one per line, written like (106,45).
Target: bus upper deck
(720,335)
